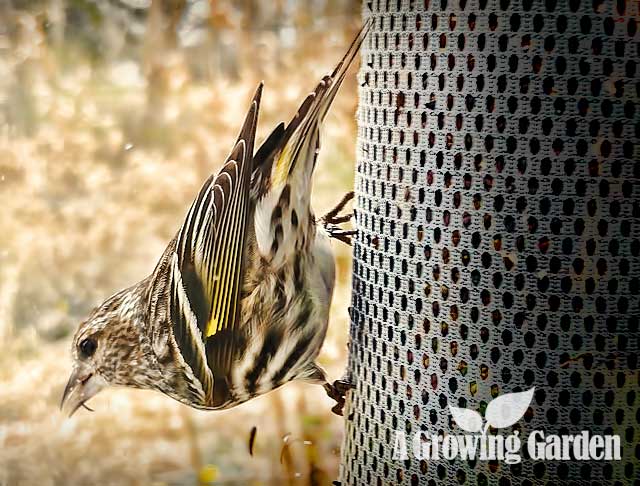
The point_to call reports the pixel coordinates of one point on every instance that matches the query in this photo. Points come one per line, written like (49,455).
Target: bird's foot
(340,234)
(338,390)
(333,219)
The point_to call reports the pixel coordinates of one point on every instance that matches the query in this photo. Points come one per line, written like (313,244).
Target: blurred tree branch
(159,52)
(57,18)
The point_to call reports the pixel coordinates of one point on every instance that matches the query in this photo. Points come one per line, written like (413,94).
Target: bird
(238,303)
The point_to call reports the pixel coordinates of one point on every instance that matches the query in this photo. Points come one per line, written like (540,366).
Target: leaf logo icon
(501,412)
(507,409)
(467,420)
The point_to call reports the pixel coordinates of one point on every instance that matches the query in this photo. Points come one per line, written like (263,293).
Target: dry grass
(93,183)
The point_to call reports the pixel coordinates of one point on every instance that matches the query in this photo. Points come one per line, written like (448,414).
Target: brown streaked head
(110,348)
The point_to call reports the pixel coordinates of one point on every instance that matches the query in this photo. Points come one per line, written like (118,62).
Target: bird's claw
(338,391)
(333,219)
(340,234)
(332,216)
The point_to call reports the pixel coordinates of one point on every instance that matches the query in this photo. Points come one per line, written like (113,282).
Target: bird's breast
(285,316)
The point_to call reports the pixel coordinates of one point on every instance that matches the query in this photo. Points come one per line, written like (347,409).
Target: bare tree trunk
(57,17)
(9,286)
(160,51)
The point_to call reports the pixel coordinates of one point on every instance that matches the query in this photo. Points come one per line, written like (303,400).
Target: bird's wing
(313,110)
(284,163)
(206,265)
(284,144)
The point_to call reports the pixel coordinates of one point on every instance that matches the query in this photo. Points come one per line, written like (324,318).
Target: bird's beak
(82,385)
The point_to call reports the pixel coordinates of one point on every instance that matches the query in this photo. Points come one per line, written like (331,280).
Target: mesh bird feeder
(499,239)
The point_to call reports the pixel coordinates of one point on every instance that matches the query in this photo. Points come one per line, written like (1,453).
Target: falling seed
(287,440)
(252,439)
(285,446)
(128,146)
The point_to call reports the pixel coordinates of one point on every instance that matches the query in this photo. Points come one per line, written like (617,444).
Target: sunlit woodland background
(112,113)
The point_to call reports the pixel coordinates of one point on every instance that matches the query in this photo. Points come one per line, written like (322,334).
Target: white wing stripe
(190,318)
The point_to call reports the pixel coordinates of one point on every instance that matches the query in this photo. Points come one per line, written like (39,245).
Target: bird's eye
(88,347)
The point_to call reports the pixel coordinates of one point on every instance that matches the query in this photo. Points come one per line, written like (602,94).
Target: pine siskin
(239,302)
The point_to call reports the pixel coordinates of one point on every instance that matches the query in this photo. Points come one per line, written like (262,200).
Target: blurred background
(112,114)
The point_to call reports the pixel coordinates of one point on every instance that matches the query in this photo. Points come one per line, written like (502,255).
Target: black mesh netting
(499,235)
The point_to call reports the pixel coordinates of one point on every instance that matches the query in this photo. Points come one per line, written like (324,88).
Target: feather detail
(311,113)
(185,325)
(207,262)
(263,161)
(285,163)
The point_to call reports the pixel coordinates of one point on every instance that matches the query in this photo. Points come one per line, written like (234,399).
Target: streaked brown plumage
(238,303)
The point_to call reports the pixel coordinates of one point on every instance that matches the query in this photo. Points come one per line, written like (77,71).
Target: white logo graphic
(504,411)
(501,412)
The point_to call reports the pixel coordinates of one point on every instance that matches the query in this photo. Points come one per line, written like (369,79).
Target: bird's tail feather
(301,132)
(283,168)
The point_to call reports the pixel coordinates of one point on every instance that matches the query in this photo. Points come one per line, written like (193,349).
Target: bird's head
(109,349)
